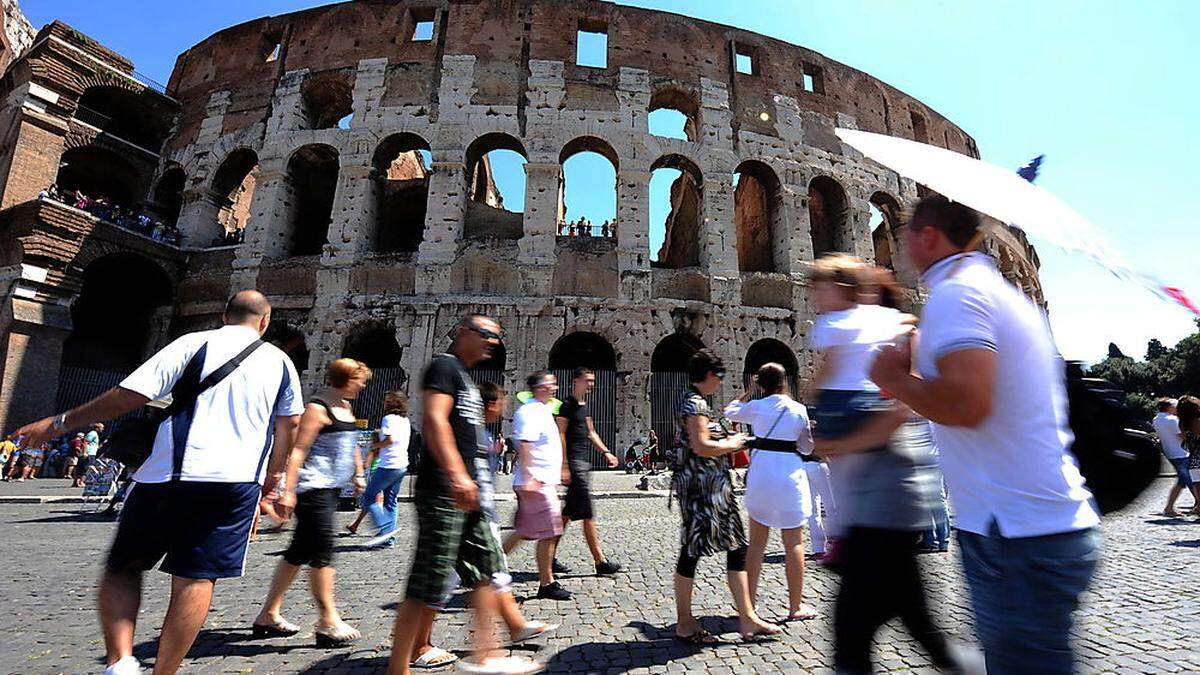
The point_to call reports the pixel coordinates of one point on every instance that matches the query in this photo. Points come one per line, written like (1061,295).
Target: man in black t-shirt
(453,533)
(575,424)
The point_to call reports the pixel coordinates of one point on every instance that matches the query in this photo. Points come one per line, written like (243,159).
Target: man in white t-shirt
(195,498)
(993,385)
(1166,425)
(536,478)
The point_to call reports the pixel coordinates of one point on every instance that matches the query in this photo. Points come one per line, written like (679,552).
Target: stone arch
(829,216)
(885,221)
(99,172)
(770,350)
(684,122)
(168,193)
(668,380)
(400,171)
(232,187)
(312,175)
(681,229)
(487,216)
(120,313)
(118,111)
(582,349)
(375,344)
(326,98)
(757,216)
(597,215)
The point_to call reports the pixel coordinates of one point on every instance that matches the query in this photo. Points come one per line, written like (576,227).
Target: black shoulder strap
(188,399)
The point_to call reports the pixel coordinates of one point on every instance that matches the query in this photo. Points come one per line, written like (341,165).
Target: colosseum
(341,159)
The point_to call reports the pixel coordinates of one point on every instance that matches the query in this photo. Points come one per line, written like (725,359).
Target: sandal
(435,657)
(504,665)
(339,636)
(700,637)
(281,628)
(352,530)
(765,635)
(533,629)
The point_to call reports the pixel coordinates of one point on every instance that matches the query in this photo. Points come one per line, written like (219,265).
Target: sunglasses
(719,373)
(486,333)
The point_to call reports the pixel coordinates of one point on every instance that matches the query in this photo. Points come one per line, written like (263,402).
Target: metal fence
(77,386)
(369,405)
(665,389)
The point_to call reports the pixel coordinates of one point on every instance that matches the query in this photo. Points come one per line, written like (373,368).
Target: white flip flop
(505,665)
(534,629)
(434,658)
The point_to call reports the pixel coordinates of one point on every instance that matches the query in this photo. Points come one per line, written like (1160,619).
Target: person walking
(710,518)
(540,470)
(195,497)
(989,378)
(823,507)
(578,434)
(454,535)
(395,434)
(323,461)
(777,491)
(1170,438)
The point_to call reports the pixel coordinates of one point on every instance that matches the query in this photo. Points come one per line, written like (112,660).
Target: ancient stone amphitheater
(351,146)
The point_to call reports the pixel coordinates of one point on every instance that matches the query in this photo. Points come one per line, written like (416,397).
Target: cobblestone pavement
(1142,614)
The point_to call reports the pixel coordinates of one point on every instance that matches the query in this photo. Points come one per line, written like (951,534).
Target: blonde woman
(324,459)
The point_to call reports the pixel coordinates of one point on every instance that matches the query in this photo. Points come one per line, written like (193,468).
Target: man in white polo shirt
(1170,437)
(195,498)
(992,383)
(536,478)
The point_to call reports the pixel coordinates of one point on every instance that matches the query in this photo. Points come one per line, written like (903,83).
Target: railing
(150,82)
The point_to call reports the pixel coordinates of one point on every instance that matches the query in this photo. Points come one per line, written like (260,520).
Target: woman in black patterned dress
(711,520)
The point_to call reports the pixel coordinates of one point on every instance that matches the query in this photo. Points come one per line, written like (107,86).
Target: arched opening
(668,380)
(588,350)
(168,194)
(121,113)
(120,314)
(290,340)
(770,350)
(676,207)
(312,176)
(377,347)
(400,183)
(233,190)
(495,175)
(757,209)
(828,216)
(326,100)
(674,113)
(98,173)
(587,196)
(885,219)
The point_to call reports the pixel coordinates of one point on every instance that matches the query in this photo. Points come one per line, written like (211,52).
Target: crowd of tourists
(584,227)
(125,217)
(68,456)
(973,386)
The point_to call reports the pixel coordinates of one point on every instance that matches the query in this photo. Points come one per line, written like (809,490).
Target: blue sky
(1105,89)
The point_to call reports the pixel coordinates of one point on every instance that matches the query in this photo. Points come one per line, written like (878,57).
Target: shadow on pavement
(1190,543)
(74,517)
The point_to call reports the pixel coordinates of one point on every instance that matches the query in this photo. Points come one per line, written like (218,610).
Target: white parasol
(1005,196)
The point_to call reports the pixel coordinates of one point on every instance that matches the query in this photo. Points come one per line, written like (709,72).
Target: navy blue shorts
(198,530)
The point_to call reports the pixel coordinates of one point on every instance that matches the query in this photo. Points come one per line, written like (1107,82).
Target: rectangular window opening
(813,82)
(274,48)
(746,64)
(920,134)
(423,24)
(591,45)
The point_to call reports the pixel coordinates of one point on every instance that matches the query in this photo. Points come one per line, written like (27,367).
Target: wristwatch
(60,423)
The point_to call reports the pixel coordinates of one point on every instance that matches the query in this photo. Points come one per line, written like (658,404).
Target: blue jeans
(1024,592)
(938,535)
(1181,470)
(386,481)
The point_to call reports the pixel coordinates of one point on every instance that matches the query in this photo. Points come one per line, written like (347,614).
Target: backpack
(1118,460)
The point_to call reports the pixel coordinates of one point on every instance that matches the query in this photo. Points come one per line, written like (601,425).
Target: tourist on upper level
(777,492)
(989,378)
(323,461)
(195,497)
(711,519)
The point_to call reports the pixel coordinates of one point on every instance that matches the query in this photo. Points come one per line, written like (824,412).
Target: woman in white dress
(777,490)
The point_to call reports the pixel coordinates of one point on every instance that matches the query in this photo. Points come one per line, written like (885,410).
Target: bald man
(236,403)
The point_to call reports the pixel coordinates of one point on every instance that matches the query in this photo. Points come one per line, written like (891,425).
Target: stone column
(267,233)
(446,212)
(633,234)
(33,345)
(718,242)
(198,217)
(542,180)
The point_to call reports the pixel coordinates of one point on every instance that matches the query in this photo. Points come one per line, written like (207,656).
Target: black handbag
(132,442)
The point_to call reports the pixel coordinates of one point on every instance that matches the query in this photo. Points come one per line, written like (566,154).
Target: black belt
(776,445)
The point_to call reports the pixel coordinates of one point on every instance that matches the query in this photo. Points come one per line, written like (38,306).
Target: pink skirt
(539,514)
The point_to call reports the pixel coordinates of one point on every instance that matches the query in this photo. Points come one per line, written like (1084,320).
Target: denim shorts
(1181,470)
(838,413)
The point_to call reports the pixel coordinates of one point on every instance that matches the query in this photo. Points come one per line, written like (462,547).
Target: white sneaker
(126,666)
(506,665)
(967,660)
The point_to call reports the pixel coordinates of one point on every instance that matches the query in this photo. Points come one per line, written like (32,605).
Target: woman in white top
(777,491)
